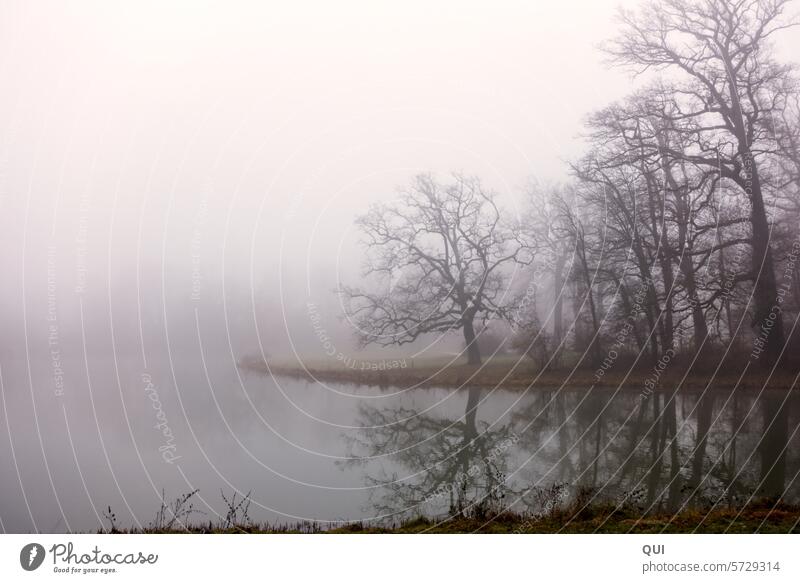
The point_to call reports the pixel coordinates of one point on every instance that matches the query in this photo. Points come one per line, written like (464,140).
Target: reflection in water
(662,453)
(454,464)
(433,452)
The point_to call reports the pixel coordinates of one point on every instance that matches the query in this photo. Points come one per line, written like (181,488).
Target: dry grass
(511,374)
(764,516)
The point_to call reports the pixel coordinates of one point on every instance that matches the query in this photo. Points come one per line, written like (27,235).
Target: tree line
(676,233)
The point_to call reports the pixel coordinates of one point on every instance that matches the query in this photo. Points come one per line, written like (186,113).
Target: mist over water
(180,194)
(333,454)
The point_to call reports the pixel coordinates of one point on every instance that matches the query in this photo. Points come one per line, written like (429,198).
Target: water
(306,451)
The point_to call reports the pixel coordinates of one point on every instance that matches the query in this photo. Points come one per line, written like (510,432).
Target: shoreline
(760,516)
(493,376)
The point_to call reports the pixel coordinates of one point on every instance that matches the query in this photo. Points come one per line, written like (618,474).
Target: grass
(511,373)
(781,519)
(759,516)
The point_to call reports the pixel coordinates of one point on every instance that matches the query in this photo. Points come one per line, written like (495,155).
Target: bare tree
(583,236)
(440,257)
(457,465)
(553,254)
(730,88)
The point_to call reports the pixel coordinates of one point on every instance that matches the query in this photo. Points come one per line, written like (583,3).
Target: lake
(79,436)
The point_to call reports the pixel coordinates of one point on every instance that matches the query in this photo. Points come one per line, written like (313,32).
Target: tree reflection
(658,454)
(438,464)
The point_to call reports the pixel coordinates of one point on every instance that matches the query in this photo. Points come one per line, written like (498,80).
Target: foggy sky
(179,181)
(225,148)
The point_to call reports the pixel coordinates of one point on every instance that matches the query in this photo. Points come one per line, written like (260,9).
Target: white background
(411,558)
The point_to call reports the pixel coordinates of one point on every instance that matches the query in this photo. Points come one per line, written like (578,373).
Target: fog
(145,143)
(179,182)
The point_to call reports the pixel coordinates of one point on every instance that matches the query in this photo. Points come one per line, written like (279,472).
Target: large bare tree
(728,92)
(438,260)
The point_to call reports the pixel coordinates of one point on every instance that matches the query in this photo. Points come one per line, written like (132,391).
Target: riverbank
(759,517)
(511,374)
(762,518)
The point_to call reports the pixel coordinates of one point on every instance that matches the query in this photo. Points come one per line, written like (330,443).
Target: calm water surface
(306,451)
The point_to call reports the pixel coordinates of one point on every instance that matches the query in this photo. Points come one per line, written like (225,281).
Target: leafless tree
(440,259)
(458,466)
(553,255)
(728,91)
(666,215)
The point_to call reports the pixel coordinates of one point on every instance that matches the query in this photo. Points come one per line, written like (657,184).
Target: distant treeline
(680,230)
(677,233)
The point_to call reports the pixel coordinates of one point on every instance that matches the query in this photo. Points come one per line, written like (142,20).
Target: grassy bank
(762,518)
(512,374)
(759,517)
(580,515)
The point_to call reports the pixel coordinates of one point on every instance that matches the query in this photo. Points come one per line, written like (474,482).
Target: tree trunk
(651,306)
(658,432)
(726,302)
(685,264)
(558,309)
(704,408)
(661,242)
(687,270)
(766,291)
(470,414)
(466,453)
(594,345)
(473,351)
(628,307)
(675,484)
(775,415)
(698,318)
